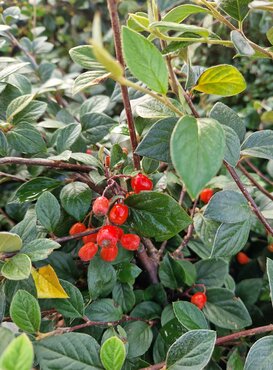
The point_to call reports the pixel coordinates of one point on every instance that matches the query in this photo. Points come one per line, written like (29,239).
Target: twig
(159,366)
(162,249)
(113,11)
(153,252)
(255,169)
(148,263)
(46,163)
(12,177)
(248,197)
(254,182)
(76,236)
(27,53)
(9,220)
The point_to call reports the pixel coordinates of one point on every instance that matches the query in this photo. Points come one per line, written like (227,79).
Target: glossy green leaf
(181,12)
(88,79)
(225,310)
(95,104)
(249,290)
(192,350)
(226,116)
(223,80)
(26,138)
(189,315)
(260,355)
(123,295)
(76,199)
(147,310)
(269,270)
(25,311)
(241,44)
(96,126)
(19,354)
(9,242)
(182,28)
(101,278)
(145,61)
(205,229)
(259,144)
(31,113)
(103,310)
(48,211)
(236,9)
(113,353)
(211,272)
(202,143)
(139,337)
(3,145)
(230,239)
(156,143)
(228,206)
(17,105)
(39,249)
(269,35)
(17,267)
(156,215)
(152,108)
(32,189)
(74,350)
(12,68)
(232,149)
(84,56)
(6,336)
(67,136)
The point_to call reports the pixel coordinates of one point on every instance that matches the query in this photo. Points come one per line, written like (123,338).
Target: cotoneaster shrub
(136,175)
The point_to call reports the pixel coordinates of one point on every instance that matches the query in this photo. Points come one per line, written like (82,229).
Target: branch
(12,177)
(254,182)
(244,333)
(255,169)
(46,163)
(76,236)
(148,263)
(113,11)
(248,197)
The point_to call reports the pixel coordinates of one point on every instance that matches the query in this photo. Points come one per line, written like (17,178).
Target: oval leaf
(10,242)
(113,353)
(19,354)
(17,268)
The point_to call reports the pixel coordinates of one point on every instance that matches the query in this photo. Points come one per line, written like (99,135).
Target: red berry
(108,236)
(107,161)
(109,254)
(88,251)
(119,214)
(100,206)
(120,232)
(130,242)
(199,299)
(141,182)
(89,238)
(77,228)
(206,194)
(88,151)
(242,258)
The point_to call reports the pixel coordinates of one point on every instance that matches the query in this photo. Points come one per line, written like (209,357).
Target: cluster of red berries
(108,237)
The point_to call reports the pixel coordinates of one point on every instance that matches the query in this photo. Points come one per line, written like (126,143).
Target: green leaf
(260,355)
(139,337)
(269,35)
(223,80)
(232,149)
(145,61)
(104,310)
(192,350)
(26,138)
(39,249)
(3,145)
(152,108)
(189,315)
(25,311)
(72,307)
(212,272)
(147,310)
(67,136)
(71,350)
(101,278)
(269,271)
(89,79)
(17,268)
(32,189)
(116,155)
(228,206)
(10,69)
(235,8)
(123,295)
(235,361)
(76,199)
(181,12)
(18,355)
(226,116)
(113,353)
(48,211)
(182,28)
(84,56)
(95,104)
(2,307)
(31,113)
(10,242)
(156,143)
(225,310)
(156,215)
(6,337)
(230,239)
(17,105)
(259,144)
(249,290)
(96,126)
(202,143)
(106,59)
(128,272)
(241,44)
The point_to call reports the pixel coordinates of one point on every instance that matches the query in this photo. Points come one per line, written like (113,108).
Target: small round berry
(119,231)
(90,238)
(119,214)
(109,254)
(242,258)
(270,248)
(206,194)
(88,151)
(100,206)
(199,299)
(77,228)
(88,251)
(108,236)
(107,161)
(141,182)
(130,242)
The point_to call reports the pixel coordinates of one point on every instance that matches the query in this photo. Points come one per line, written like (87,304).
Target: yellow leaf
(47,283)
(106,59)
